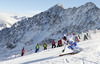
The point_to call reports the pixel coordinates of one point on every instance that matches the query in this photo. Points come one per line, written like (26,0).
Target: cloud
(34,12)
(6,13)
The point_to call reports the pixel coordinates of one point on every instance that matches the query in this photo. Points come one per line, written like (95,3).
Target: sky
(31,7)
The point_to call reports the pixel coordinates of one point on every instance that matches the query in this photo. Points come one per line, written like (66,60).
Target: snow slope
(48,25)
(51,24)
(89,55)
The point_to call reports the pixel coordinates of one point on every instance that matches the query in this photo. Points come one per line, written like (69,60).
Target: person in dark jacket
(85,37)
(53,44)
(23,50)
(45,46)
(37,48)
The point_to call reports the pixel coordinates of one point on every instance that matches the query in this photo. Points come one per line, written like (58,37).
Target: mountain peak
(56,8)
(59,5)
(90,4)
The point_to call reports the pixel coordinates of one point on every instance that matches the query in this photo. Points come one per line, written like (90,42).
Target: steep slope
(32,28)
(50,24)
(89,55)
(83,18)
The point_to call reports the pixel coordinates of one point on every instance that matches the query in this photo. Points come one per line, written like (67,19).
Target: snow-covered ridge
(8,19)
(50,24)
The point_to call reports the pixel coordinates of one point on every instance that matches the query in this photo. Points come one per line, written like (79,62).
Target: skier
(71,43)
(23,50)
(45,46)
(77,39)
(59,43)
(79,36)
(87,34)
(37,48)
(85,37)
(53,44)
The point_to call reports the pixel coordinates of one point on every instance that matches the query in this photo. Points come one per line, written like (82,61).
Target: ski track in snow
(89,55)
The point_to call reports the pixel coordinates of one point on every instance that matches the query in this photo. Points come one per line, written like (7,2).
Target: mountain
(50,24)
(19,18)
(8,19)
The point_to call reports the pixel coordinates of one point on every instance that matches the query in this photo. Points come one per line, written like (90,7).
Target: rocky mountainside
(51,24)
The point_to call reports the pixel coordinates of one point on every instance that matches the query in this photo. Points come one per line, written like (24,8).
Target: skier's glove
(63,50)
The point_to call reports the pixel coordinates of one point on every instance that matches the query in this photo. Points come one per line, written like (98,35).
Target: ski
(71,53)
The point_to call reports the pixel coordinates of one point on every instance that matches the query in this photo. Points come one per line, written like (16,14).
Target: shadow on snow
(42,59)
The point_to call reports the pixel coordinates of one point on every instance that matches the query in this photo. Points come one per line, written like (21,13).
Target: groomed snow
(89,55)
